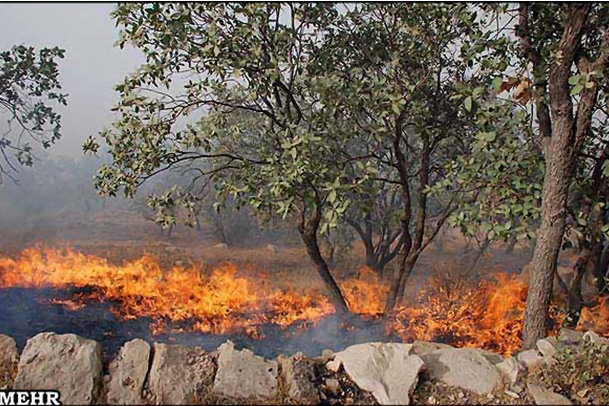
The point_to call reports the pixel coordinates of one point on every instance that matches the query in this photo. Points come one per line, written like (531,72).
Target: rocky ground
(570,368)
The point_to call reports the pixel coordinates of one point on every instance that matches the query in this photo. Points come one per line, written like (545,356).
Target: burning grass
(484,313)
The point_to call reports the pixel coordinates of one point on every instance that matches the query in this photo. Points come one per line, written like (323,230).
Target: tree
(397,67)
(269,141)
(29,97)
(374,215)
(580,49)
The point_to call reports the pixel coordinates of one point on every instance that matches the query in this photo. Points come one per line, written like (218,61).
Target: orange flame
(485,313)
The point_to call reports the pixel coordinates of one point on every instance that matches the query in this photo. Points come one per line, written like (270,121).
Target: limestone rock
(569,335)
(9,357)
(298,377)
(221,246)
(511,370)
(595,338)
(387,370)
(465,368)
(64,362)
(180,375)
(492,357)
(242,375)
(128,373)
(543,396)
(546,346)
(529,358)
(332,384)
(425,347)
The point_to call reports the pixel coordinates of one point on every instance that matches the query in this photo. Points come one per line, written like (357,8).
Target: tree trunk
(511,244)
(549,239)
(560,163)
(574,294)
(308,232)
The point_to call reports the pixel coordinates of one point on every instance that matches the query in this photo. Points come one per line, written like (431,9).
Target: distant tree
(374,215)
(29,97)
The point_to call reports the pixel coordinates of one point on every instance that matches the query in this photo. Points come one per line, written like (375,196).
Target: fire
(219,303)
(484,313)
(487,314)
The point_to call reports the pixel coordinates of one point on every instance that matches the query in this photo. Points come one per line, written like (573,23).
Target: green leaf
(497,82)
(468,103)
(576,89)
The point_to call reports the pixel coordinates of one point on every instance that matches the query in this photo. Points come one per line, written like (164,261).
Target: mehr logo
(29,397)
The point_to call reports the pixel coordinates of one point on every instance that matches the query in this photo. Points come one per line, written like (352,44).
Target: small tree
(268,139)
(396,69)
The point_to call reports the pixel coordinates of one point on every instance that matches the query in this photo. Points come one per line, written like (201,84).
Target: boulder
(127,373)
(543,396)
(9,357)
(387,370)
(529,358)
(511,370)
(242,376)
(180,375)
(465,368)
(298,376)
(220,246)
(546,346)
(64,362)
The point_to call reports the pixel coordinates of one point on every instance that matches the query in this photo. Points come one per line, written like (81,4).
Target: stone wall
(371,373)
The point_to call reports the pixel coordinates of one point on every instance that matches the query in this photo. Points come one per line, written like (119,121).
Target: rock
(332,384)
(242,375)
(9,357)
(546,346)
(425,347)
(127,373)
(593,338)
(180,375)
(492,357)
(298,376)
(220,246)
(529,358)
(272,248)
(511,370)
(387,370)
(569,335)
(465,368)
(327,354)
(511,394)
(64,362)
(543,396)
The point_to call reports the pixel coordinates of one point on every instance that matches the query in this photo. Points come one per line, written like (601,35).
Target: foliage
(579,372)
(30,94)
(262,128)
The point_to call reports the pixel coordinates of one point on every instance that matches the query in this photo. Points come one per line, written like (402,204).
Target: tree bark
(560,163)
(308,231)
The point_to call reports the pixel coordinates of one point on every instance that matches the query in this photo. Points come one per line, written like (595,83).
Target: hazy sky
(91,67)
